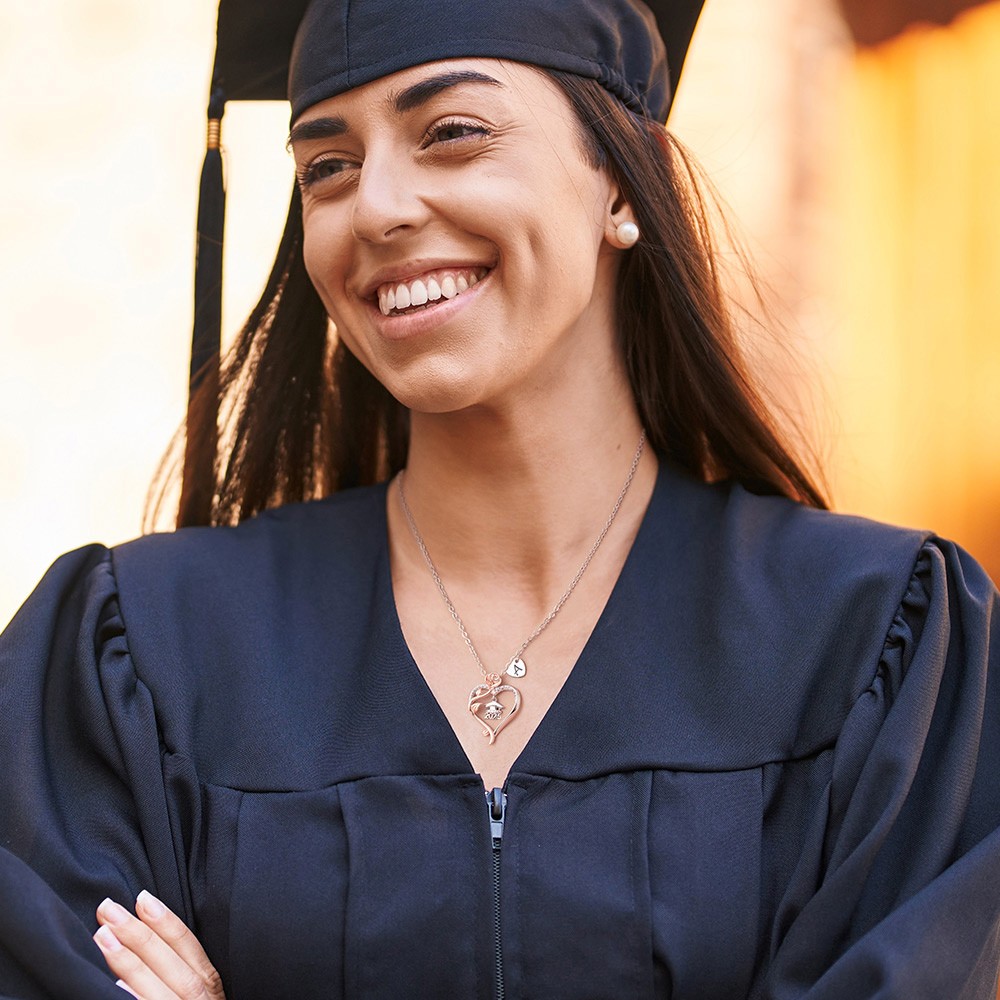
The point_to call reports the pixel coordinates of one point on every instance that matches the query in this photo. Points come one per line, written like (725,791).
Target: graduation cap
(634,50)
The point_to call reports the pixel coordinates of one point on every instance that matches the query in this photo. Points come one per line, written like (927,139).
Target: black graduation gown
(773,771)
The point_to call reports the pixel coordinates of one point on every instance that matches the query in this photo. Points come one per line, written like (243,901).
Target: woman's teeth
(398,298)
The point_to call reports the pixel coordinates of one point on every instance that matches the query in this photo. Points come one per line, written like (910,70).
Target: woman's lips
(414,320)
(421,292)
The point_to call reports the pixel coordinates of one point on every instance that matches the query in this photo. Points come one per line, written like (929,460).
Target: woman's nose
(387,202)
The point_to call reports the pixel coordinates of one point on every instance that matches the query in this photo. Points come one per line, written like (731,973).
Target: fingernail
(112,912)
(151,906)
(121,984)
(105,937)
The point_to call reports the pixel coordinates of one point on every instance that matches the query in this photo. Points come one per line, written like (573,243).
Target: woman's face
(456,232)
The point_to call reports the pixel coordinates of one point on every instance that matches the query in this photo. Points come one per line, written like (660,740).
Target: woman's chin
(435,389)
(437,399)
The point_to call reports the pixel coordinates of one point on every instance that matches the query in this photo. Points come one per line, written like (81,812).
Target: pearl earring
(628,234)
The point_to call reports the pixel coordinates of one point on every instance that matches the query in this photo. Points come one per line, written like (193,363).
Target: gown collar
(586,730)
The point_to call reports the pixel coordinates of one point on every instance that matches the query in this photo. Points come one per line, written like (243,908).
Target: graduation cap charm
(486,706)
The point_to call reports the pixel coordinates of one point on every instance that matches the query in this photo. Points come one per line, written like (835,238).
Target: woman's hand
(156,957)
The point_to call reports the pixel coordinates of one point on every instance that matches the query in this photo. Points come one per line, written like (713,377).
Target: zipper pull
(497,801)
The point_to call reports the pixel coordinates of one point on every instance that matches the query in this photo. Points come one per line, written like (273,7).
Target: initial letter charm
(516,668)
(486,706)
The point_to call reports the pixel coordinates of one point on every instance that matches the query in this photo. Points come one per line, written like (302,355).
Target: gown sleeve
(84,811)
(897,894)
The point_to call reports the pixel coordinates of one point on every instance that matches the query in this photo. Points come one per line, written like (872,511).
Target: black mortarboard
(633,49)
(255,38)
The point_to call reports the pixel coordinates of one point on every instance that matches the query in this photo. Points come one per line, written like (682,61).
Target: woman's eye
(454,131)
(321,170)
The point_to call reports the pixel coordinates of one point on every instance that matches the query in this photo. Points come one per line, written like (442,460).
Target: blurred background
(855,142)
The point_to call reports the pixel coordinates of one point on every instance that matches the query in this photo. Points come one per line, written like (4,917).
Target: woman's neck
(521,496)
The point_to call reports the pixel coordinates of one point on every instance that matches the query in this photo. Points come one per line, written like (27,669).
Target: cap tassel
(201,446)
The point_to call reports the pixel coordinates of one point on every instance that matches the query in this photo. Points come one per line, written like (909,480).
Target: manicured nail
(151,906)
(112,912)
(105,937)
(121,984)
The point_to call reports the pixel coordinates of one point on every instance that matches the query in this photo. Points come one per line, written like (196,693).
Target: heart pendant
(489,710)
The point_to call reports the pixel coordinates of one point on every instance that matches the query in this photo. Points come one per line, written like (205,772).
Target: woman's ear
(621,230)
(625,235)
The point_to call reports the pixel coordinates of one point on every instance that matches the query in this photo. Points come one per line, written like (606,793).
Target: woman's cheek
(316,258)
(355,347)
(319,277)
(317,268)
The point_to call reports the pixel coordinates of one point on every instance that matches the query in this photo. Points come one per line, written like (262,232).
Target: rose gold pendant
(489,710)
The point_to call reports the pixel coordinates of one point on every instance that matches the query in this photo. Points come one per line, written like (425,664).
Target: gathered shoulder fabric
(771,774)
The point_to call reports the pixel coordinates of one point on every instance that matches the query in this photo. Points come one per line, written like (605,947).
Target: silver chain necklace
(484,699)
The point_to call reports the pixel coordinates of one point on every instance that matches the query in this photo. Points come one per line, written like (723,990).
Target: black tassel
(198,486)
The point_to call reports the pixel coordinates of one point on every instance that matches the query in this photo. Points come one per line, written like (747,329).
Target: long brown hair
(302,418)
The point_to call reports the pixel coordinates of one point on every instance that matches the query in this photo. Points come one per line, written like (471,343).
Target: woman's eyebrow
(412,97)
(316,128)
(406,100)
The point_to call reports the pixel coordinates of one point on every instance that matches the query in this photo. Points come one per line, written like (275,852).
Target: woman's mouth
(423,292)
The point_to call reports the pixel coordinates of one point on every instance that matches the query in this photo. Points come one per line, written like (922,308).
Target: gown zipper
(497,802)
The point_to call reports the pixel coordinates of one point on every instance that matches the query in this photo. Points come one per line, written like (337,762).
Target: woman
(730,745)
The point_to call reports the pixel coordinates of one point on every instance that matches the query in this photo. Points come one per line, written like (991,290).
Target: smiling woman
(479,187)
(512,165)
(561,647)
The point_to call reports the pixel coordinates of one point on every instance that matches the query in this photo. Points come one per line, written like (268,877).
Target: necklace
(484,699)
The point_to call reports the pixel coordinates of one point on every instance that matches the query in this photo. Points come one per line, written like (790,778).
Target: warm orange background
(918,387)
(865,186)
